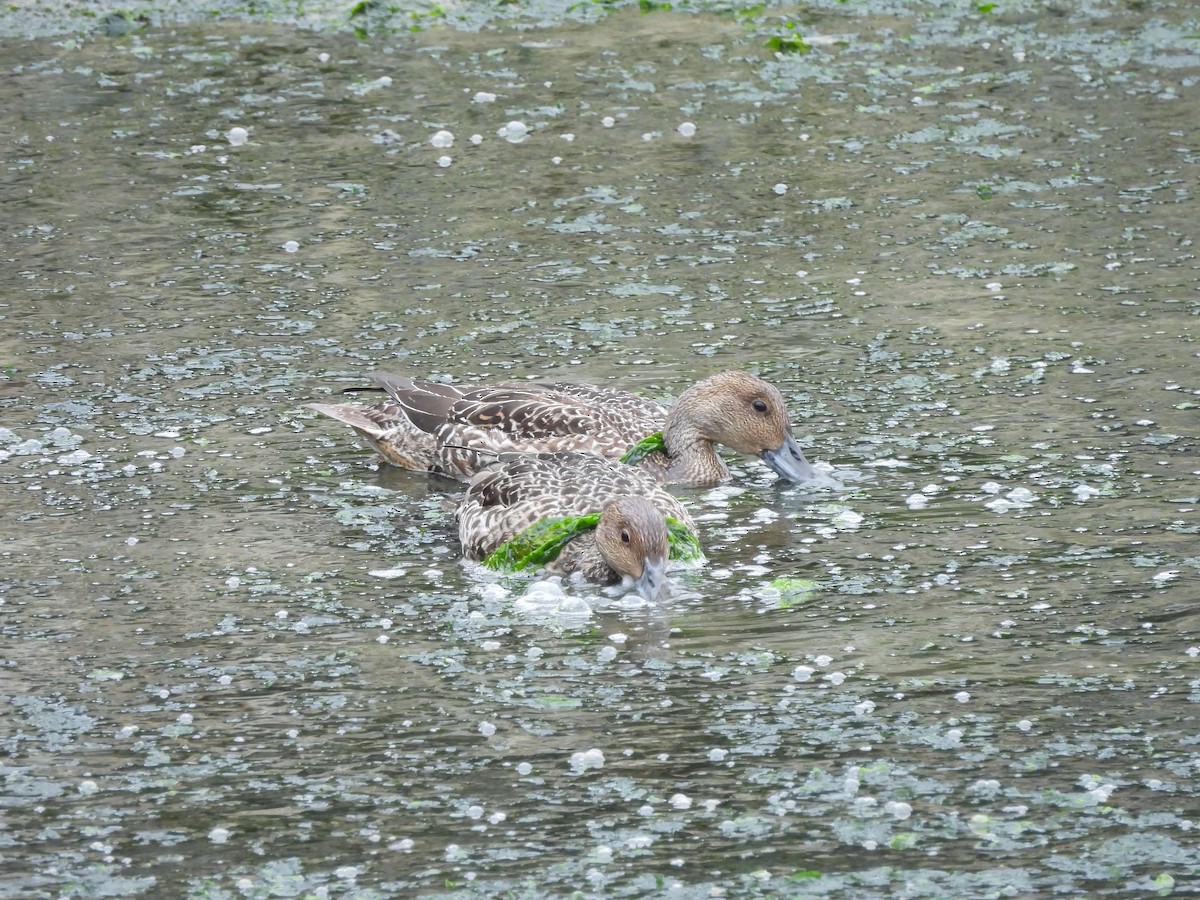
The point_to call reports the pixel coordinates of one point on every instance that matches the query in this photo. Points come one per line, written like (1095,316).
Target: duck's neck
(691,458)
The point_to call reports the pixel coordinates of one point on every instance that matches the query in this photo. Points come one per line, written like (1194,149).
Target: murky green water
(241,661)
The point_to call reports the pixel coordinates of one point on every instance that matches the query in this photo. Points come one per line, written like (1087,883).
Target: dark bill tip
(787,461)
(654,578)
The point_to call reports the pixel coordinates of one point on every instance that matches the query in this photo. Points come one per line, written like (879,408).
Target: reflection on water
(243,660)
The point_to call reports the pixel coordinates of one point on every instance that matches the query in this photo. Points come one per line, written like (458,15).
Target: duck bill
(654,578)
(787,461)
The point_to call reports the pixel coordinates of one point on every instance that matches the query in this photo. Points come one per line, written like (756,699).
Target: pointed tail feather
(354,416)
(386,428)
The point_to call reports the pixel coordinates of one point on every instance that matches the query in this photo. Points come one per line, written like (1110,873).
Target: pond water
(241,659)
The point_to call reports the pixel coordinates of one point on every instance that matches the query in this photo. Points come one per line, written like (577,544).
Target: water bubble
(608,121)
(219,835)
(898,808)
(444,161)
(443,139)
(398,572)
(26,448)
(88,787)
(347,873)
(487,729)
(524,768)
(62,437)
(237,136)
(687,129)
(290,246)
(803,673)
(477,139)
(514,132)
(323,57)
(681,801)
(780,189)
(717,754)
(484,97)
(587,759)
(962,697)
(547,600)
(475,812)
(847,519)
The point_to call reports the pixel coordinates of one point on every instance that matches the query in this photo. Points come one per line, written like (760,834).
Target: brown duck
(455,430)
(575,513)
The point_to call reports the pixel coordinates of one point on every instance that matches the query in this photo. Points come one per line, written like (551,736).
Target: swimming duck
(573,512)
(455,430)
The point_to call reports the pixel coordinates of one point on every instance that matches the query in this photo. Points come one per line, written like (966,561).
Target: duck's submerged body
(455,431)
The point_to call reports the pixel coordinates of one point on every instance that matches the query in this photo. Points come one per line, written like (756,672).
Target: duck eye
(760,405)
(624,537)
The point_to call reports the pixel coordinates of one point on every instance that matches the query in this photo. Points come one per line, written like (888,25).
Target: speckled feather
(520,490)
(455,431)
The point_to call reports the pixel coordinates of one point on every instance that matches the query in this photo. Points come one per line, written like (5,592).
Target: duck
(456,430)
(574,513)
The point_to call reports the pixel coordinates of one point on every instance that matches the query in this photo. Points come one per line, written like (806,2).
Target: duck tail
(357,417)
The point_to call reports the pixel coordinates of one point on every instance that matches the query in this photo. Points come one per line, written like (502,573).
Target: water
(242,660)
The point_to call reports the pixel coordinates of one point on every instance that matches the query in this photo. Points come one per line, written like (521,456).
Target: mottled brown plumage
(456,430)
(520,490)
